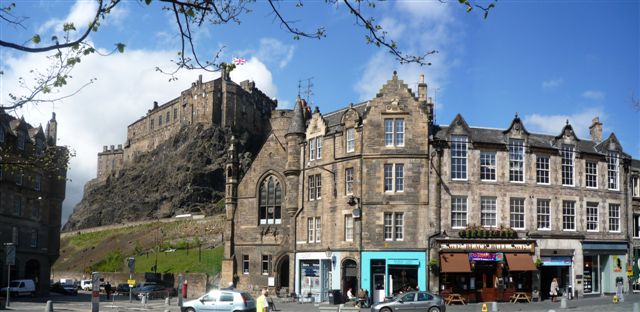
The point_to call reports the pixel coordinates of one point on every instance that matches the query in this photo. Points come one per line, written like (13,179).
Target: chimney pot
(105,148)
(595,130)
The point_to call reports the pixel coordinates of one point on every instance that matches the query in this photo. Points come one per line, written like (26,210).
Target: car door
(207,303)
(225,302)
(408,303)
(424,301)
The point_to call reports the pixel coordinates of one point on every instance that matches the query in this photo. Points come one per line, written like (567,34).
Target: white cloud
(593,95)
(81,14)
(553,124)
(393,28)
(256,71)
(272,51)
(434,11)
(552,83)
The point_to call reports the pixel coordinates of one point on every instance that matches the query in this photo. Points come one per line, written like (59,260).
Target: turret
(295,137)
(52,130)
(230,204)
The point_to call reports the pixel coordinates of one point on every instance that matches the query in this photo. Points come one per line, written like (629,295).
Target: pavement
(82,302)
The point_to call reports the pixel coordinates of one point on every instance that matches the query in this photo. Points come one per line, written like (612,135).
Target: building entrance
(547,273)
(402,278)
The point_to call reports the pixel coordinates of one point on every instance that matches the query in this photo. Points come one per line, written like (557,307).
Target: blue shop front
(385,273)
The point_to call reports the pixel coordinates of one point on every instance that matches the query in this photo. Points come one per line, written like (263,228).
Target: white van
(23,287)
(86,285)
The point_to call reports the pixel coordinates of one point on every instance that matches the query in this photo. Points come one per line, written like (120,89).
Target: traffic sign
(131,282)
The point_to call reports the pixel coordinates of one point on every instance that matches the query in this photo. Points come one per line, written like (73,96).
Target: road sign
(10,252)
(131,282)
(630,273)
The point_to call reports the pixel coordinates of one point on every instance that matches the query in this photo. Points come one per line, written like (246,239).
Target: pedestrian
(262,305)
(107,289)
(553,290)
(350,295)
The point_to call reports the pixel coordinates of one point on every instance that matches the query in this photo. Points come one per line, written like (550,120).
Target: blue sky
(548,61)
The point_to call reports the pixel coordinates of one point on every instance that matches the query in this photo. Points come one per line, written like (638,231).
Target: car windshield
(14,284)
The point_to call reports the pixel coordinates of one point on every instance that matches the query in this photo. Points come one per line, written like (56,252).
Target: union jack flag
(239,61)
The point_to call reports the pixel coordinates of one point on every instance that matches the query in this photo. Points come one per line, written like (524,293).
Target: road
(82,302)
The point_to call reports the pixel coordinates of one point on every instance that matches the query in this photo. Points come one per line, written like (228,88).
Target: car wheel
(189,310)
(434,309)
(385,310)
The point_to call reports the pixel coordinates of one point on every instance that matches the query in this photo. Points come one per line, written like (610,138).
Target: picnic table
(520,296)
(455,298)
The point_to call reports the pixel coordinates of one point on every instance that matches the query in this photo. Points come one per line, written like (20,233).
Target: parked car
(22,287)
(86,285)
(122,289)
(412,302)
(222,300)
(150,291)
(64,289)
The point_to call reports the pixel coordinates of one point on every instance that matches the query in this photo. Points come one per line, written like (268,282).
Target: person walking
(107,289)
(553,290)
(262,305)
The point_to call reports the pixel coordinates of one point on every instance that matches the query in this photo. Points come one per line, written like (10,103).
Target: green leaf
(190,12)
(68,27)
(120,46)
(147,2)
(35,38)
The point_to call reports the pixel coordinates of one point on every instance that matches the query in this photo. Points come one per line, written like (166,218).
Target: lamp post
(10,252)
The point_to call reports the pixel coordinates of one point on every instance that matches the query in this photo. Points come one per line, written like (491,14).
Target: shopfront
(605,265)
(316,275)
(486,271)
(558,266)
(387,273)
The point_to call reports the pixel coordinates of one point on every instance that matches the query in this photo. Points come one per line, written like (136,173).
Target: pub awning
(454,263)
(520,262)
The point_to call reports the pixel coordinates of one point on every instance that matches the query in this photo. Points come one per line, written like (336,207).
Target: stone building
(32,188)
(220,102)
(634,224)
(377,196)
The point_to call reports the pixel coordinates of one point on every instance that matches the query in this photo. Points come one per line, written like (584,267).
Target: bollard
(563,303)
(49,307)
(167,301)
(636,307)
(494,307)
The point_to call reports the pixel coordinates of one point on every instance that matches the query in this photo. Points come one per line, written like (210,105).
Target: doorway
(547,273)
(32,272)
(349,277)
(283,273)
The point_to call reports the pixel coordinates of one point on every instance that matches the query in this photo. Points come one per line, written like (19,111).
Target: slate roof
(334,119)
(536,140)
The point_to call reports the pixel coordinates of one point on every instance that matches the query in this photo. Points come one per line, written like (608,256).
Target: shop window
(394,226)
(636,226)
(394,177)
(315,186)
(592,217)
(543,214)
(245,264)
(270,201)
(459,212)
(568,215)
(348,228)
(488,215)
(566,153)
(591,174)
(614,218)
(542,170)
(459,150)
(394,132)
(348,181)
(351,140)
(488,166)
(516,160)
(266,264)
(516,213)
(612,170)
(313,230)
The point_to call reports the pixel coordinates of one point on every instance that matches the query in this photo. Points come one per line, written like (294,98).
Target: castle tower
(52,131)
(231,195)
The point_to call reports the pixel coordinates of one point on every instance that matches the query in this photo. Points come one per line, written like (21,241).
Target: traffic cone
(484,308)
(615,299)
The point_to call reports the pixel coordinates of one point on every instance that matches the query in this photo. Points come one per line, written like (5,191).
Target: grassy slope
(105,250)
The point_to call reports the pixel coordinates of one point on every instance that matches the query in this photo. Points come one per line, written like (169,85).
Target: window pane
(388,226)
(388,132)
(591,172)
(458,157)
(488,166)
(351,140)
(516,160)
(592,216)
(458,212)
(516,213)
(388,177)
(488,211)
(399,178)
(567,164)
(348,180)
(542,170)
(399,225)
(348,228)
(399,132)
(568,215)
(543,214)
(612,170)
(614,218)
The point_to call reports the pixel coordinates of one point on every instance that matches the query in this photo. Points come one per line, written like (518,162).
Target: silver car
(415,301)
(221,300)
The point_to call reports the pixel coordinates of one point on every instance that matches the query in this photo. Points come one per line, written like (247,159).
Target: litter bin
(335,296)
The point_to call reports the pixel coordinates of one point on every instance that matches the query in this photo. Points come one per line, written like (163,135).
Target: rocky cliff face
(185,174)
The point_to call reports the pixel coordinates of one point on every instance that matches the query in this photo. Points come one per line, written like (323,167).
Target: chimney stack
(595,130)
(422,89)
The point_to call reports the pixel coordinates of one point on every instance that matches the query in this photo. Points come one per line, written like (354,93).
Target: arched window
(270,201)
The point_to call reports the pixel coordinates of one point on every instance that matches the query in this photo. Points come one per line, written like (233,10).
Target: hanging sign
(487,247)
(486,256)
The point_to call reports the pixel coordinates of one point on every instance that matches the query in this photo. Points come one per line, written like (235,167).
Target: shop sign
(310,269)
(556,261)
(488,247)
(486,256)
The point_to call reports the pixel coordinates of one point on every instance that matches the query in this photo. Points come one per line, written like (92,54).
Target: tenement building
(32,188)
(377,196)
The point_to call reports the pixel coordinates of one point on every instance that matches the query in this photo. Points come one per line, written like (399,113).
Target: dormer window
(20,141)
(567,155)
(516,160)
(39,147)
(312,149)
(612,170)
